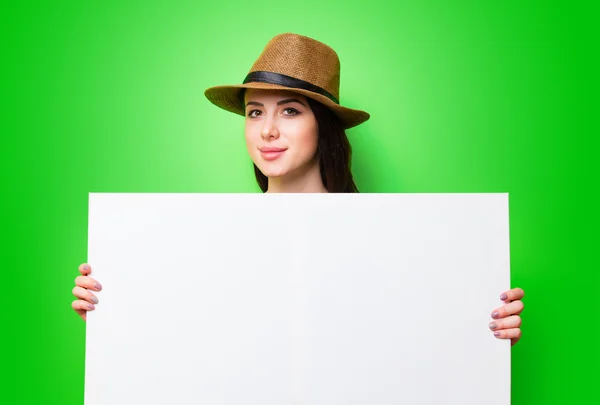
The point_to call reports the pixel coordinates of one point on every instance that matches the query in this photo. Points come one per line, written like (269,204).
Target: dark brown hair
(334,151)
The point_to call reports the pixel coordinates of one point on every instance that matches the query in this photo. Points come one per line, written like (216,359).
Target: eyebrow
(287,100)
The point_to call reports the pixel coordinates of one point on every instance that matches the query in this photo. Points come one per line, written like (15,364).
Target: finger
(514,308)
(88,282)
(514,333)
(513,321)
(81,307)
(85,269)
(512,295)
(84,294)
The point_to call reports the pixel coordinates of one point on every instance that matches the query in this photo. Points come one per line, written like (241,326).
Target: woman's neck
(300,181)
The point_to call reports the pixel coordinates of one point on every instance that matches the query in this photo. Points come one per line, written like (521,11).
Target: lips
(271,153)
(271,149)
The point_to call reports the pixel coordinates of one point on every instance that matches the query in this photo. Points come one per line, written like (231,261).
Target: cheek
(252,139)
(308,140)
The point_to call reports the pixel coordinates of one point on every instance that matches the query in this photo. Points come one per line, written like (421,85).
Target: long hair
(334,152)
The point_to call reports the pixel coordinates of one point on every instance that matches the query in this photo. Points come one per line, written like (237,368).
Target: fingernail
(503,297)
(97,286)
(495,315)
(89,306)
(95,300)
(496,334)
(493,326)
(86,267)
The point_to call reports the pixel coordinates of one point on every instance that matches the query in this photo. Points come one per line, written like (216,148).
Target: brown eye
(252,115)
(292,111)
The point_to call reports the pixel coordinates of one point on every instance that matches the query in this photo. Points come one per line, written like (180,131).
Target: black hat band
(287,81)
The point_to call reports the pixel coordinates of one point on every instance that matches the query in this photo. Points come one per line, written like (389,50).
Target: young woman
(295,135)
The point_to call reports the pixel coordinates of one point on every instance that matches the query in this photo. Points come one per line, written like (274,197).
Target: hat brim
(229,97)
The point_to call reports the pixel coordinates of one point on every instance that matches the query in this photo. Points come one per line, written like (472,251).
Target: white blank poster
(297,299)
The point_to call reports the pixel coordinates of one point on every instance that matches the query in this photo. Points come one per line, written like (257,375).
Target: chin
(272,171)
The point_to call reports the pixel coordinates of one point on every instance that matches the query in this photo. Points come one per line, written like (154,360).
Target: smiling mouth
(272,154)
(271,149)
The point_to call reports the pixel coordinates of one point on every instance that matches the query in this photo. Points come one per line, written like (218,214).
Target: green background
(464,97)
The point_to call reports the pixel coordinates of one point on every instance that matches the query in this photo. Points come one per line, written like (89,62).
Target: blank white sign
(297,299)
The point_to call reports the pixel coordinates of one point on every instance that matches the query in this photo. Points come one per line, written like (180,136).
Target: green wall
(470,97)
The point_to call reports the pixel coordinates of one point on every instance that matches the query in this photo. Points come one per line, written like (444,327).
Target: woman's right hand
(84,285)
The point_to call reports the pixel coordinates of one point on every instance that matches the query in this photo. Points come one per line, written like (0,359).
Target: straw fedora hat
(294,63)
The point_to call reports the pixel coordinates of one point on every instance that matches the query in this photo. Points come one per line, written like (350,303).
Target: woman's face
(281,132)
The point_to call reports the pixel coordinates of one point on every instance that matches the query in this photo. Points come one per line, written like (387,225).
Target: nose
(269,129)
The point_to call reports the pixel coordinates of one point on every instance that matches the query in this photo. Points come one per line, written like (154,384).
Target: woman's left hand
(507,322)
